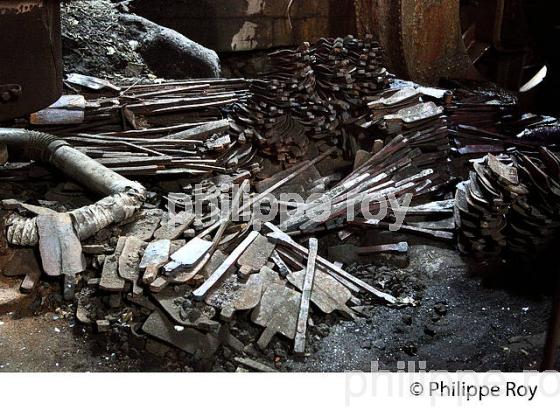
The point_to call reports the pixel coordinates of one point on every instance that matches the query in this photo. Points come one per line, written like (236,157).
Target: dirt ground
(459,324)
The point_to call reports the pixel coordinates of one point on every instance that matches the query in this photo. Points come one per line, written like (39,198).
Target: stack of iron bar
(423,124)
(400,168)
(282,106)
(512,130)
(471,141)
(476,119)
(510,205)
(535,128)
(484,109)
(155,109)
(425,116)
(158,129)
(318,87)
(528,132)
(392,101)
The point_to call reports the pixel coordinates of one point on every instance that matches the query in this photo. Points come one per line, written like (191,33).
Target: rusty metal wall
(30,56)
(241,25)
(422,38)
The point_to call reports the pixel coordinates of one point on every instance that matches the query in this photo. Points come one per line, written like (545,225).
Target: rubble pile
(103,39)
(94,41)
(509,205)
(188,280)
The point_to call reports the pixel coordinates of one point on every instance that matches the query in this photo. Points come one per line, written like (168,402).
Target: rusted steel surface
(423,39)
(243,25)
(30,57)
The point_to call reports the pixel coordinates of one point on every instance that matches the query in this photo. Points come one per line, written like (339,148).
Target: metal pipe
(124,198)
(38,146)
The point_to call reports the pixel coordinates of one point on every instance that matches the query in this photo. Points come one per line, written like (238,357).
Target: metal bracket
(9,93)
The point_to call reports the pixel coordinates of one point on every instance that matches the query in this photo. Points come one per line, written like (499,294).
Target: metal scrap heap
(326,120)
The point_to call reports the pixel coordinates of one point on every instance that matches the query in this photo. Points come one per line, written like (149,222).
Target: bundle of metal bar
(156,129)
(400,168)
(405,113)
(484,109)
(414,161)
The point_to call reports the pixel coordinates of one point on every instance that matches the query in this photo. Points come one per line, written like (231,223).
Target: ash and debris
(459,324)
(96,43)
(102,39)
(505,332)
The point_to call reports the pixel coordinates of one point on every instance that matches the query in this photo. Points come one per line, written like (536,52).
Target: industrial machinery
(30,57)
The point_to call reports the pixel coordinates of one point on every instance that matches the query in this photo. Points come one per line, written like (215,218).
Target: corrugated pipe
(124,198)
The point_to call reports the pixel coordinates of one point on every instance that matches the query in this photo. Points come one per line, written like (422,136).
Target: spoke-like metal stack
(349,70)
(320,87)
(333,70)
(271,116)
(510,204)
(482,204)
(370,76)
